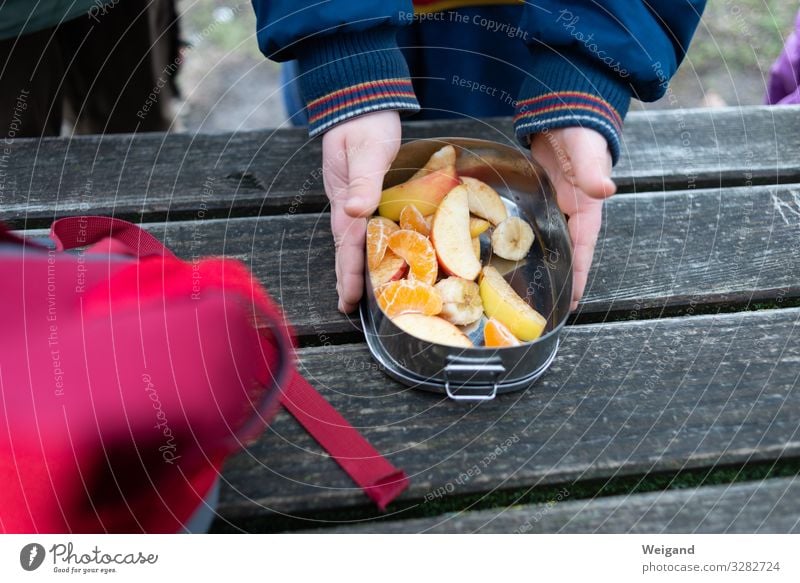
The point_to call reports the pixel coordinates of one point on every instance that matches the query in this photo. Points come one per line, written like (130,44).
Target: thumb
(592,180)
(365,172)
(593,166)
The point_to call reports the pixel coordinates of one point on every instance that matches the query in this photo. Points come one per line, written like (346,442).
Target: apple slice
(442,159)
(432,329)
(461,300)
(477,226)
(378,231)
(424,190)
(512,239)
(484,201)
(476,247)
(500,301)
(450,236)
(392,267)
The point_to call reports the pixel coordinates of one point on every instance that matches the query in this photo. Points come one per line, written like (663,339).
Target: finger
(592,164)
(591,179)
(584,227)
(348,236)
(366,167)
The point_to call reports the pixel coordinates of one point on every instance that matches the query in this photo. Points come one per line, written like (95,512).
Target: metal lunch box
(544,278)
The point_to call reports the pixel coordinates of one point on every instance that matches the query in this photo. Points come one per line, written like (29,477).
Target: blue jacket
(552,64)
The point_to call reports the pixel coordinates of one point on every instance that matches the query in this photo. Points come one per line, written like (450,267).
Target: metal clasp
(475,379)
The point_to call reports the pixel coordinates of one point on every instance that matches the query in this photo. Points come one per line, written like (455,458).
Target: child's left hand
(578,163)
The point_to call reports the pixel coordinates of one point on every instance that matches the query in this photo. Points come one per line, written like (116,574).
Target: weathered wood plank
(768,506)
(153,176)
(627,398)
(678,250)
(688,248)
(699,148)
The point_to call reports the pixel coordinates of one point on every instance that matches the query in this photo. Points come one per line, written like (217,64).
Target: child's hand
(355,156)
(578,163)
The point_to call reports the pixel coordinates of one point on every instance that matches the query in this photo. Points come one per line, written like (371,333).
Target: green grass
(744,34)
(584,490)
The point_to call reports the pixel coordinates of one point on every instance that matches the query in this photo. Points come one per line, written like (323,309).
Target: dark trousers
(110,72)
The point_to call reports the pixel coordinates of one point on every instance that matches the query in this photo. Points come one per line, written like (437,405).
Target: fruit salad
(424,258)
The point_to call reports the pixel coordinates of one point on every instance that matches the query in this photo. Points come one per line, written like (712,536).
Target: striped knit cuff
(567,92)
(349,74)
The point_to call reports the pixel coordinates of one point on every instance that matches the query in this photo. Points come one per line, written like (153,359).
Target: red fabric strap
(73,232)
(381,481)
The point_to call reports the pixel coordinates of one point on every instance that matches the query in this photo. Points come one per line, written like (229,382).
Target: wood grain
(761,507)
(620,399)
(679,250)
(155,176)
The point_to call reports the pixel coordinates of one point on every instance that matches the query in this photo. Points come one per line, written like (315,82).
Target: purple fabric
(784,76)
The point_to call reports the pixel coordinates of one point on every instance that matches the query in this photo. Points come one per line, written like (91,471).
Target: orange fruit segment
(378,231)
(418,252)
(497,335)
(391,268)
(412,219)
(409,296)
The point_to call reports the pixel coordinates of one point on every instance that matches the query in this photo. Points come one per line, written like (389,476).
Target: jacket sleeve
(591,57)
(346,51)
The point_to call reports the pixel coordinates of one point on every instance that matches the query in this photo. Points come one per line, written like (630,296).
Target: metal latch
(473,379)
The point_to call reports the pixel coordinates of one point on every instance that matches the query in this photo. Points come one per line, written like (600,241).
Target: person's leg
(31,71)
(122,67)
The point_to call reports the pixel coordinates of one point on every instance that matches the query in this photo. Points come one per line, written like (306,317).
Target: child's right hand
(356,155)
(578,163)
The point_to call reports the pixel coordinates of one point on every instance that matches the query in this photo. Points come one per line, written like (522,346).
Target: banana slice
(512,239)
(461,300)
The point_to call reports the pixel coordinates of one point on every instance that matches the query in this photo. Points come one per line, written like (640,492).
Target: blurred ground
(228,85)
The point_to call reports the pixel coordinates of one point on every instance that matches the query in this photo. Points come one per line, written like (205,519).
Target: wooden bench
(672,406)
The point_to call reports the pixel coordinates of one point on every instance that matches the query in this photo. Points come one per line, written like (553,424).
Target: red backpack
(128,376)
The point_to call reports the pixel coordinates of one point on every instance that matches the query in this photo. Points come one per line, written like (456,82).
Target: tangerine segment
(378,231)
(406,296)
(496,335)
(418,252)
(412,219)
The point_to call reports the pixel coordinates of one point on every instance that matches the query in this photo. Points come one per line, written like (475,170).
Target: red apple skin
(425,193)
(442,159)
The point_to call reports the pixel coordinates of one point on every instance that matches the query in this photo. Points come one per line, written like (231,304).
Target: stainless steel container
(544,278)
